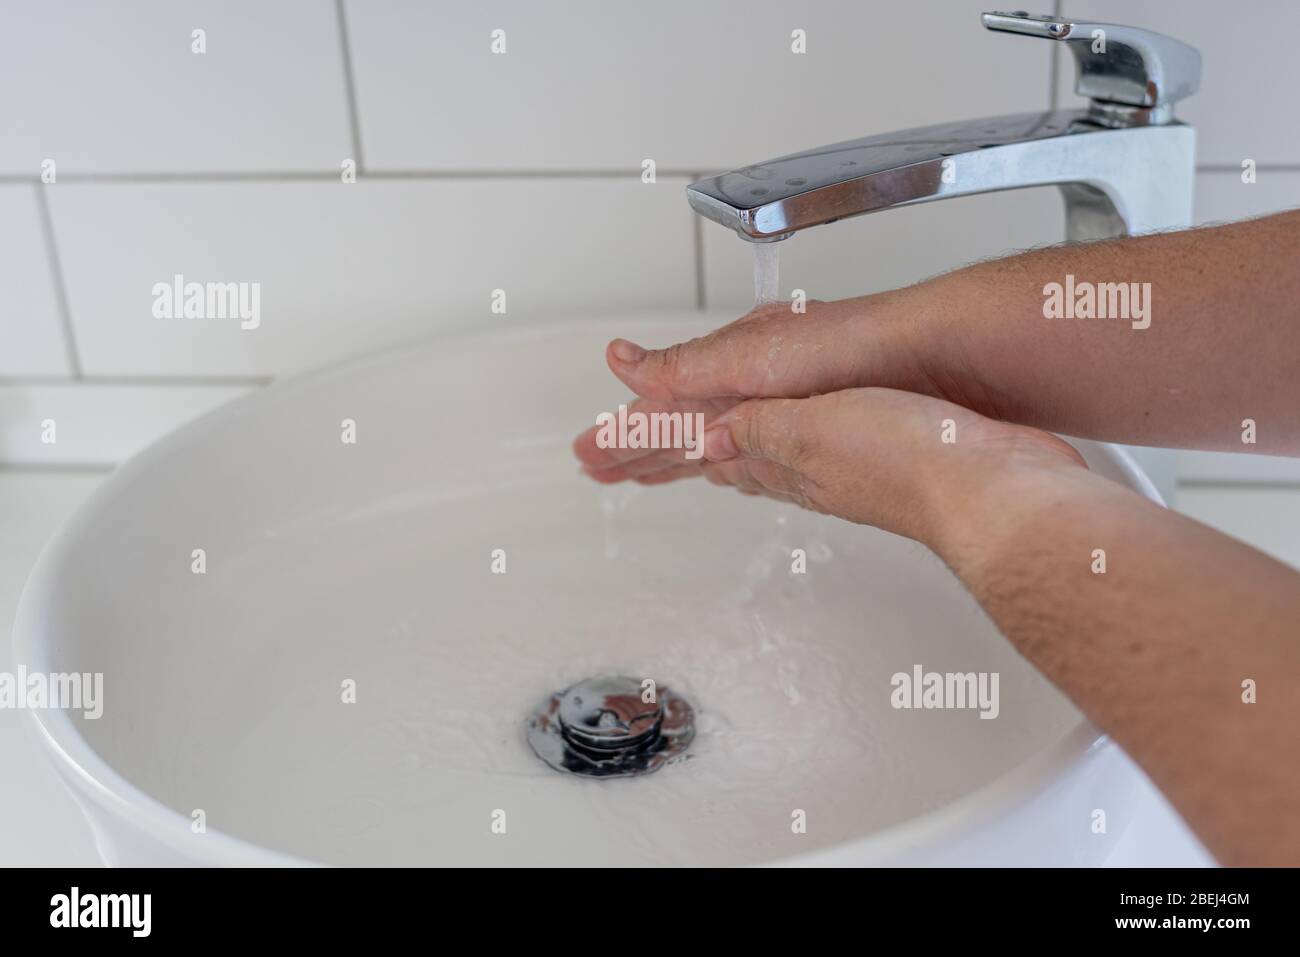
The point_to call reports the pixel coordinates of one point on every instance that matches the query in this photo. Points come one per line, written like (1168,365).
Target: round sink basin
(317,650)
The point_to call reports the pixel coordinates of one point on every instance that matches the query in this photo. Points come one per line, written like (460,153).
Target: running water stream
(767,273)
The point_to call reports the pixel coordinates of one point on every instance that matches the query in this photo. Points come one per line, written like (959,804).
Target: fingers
(671,474)
(756,446)
(754,477)
(592,455)
(638,468)
(770,352)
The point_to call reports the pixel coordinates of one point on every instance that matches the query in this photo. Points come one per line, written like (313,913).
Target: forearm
(1155,649)
(1222,346)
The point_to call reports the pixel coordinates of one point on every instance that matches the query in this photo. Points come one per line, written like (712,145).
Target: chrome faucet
(1124,164)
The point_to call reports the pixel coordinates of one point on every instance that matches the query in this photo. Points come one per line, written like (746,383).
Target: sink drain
(604,727)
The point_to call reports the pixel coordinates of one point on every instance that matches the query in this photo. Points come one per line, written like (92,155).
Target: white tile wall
(344,268)
(31,340)
(115,87)
(1269,519)
(482,171)
(1230,467)
(1221,196)
(694,86)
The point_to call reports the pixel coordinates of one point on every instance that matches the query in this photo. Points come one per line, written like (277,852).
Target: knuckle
(803,437)
(753,434)
(678,364)
(672,360)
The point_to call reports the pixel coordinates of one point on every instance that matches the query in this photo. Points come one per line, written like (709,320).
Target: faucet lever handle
(1133,76)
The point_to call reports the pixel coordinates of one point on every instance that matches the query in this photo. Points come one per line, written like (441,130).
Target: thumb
(709,366)
(770,353)
(777,430)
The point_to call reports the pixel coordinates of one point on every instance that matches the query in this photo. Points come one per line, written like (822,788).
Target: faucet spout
(1115,181)
(1124,165)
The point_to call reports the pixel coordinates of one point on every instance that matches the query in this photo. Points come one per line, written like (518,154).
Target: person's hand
(891,339)
(903,462)
(770,353)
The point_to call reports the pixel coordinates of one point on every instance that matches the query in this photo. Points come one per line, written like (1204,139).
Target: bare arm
(1155,650)
(1223,343)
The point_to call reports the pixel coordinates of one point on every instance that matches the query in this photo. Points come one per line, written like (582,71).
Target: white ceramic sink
(372,562)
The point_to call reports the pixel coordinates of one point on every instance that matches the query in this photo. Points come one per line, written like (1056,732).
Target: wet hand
(907,463)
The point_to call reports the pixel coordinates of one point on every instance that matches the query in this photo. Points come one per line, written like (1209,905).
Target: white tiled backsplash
(479,172)
(589,84)
(112,86)
(343,268)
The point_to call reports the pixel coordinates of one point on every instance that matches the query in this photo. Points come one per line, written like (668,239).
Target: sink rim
(91,777)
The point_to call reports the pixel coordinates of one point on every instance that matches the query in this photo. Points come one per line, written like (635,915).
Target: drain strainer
(605,727)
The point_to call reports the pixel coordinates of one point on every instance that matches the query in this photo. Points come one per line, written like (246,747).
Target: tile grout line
(63,468)
(1234,168)
(56,278)
(203,381)
(1239,485)
(213,176)
(441,175)
(349,85)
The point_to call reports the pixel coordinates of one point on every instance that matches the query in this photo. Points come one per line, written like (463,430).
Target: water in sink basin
(373,564)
